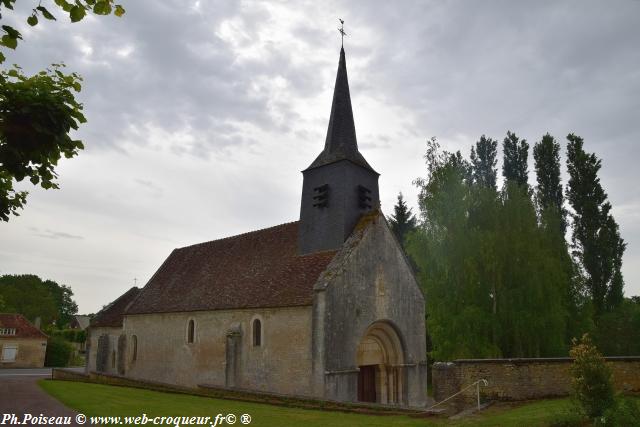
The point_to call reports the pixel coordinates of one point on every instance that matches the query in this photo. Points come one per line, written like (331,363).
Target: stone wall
(281,364)
(103,357)
(521,379)
(30,354)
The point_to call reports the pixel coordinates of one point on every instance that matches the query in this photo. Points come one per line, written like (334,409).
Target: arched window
(134,344)
(257,333)
(191,331)
(113,359)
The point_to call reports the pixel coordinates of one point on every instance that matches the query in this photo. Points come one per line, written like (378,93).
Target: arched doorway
(380,360)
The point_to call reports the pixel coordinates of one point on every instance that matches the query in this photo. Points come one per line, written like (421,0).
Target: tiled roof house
(22,345)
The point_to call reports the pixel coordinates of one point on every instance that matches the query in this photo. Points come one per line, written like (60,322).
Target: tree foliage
(33,297)
(618,331)
(403,221)
(515,161)
(36,115)
(496,265)
(484,159)
(76,11)
(59,352)
(493,282)
(597,244)
(38,112)
(549,197)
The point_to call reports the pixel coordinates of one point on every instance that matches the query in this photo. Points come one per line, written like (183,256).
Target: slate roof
(113,314)
(341,142)
(24,328)
(254,270)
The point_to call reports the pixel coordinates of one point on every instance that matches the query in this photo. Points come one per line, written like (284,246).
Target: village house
(22,345)
(325,307)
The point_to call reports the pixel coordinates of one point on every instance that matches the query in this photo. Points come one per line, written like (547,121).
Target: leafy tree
(63,296)
(484,160)
(618,331)
(493,282)
(403,221)
(596,238)
(496,265)
(32,297)
(443,244)
(37,112)
(532,277)
(36,116)
(591,378)
(27,295)
(514,165)
(533,281)
(553,218)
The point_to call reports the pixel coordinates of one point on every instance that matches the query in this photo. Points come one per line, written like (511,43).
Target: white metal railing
(477,384)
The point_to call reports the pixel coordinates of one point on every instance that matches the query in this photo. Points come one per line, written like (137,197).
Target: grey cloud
(454,69)
(49,234)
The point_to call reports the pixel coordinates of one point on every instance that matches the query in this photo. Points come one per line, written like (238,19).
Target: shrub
(591,378)
(58,352)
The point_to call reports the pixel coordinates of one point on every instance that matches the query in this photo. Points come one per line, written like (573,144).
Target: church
(326,307)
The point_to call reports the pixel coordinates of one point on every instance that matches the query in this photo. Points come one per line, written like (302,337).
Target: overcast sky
(201,115)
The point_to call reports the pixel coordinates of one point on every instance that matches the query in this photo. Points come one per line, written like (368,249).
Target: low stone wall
(521,379)
(67,374)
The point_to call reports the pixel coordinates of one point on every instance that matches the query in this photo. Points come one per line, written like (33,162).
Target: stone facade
(29,352)
(521,379)
(280,364)
(102,349)
(367,311)
(370,284)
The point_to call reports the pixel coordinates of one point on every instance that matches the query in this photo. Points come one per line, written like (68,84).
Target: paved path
(20,395)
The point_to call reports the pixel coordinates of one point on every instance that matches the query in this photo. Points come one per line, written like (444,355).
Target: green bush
(58,352)
(591,379)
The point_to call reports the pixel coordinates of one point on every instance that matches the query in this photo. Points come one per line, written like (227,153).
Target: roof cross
(341,31)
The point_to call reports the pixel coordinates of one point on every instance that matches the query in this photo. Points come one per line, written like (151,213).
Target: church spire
(341,142)
(339,186)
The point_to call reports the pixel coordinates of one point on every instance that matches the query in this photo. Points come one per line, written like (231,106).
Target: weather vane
(341,31)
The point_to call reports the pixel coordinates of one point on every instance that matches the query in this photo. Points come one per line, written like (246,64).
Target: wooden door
(367,383)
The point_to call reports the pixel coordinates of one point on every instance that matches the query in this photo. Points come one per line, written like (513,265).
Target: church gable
(360,241)
(369,312)
(256,269)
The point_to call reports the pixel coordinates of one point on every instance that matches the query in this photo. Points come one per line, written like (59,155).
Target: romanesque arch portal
(380,360)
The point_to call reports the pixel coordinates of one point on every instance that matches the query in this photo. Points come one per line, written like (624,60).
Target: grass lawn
(102,400)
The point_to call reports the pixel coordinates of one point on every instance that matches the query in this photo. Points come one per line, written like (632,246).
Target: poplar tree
(483,161)
(515,158)
(553,218)
(550,199)
(596,238)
